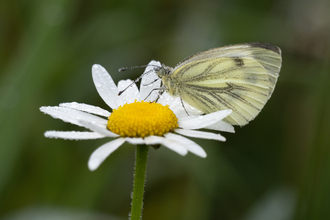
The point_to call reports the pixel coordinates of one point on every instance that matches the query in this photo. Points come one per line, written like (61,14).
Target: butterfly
(239,77)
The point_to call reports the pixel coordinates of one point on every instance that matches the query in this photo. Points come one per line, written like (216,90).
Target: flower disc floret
(142,119)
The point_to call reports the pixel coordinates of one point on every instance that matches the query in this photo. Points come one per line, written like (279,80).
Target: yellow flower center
(141,119)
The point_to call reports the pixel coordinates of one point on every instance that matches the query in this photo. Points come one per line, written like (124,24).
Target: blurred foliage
(275,168)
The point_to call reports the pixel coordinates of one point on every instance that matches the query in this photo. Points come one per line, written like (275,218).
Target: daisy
(136,119)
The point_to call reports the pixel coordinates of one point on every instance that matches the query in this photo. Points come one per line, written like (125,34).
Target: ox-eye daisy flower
(135,119)
(138,120)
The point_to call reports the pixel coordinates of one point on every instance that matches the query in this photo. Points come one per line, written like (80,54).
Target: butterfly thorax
(172,86)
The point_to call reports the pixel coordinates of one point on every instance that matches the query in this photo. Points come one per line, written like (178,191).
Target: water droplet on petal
(97,84)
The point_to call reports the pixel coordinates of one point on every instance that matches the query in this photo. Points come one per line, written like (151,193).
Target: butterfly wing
(238,77)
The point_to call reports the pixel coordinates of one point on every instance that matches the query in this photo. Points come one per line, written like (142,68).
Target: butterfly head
(163,70)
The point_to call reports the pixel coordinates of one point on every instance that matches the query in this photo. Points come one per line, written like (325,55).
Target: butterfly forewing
(239,77)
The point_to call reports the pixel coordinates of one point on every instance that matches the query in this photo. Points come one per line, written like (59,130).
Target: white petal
(170,144)
(131,93)
(197,122)
(167,99)
(101,129)
(105,86)
(148,82)
(222,126)
(189,144)
(99,155)
(71,115)
(73,135)
(135,141)
(200,134)
(176,106)
(86,108)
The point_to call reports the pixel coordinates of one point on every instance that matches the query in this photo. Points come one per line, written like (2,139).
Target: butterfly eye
(167,71)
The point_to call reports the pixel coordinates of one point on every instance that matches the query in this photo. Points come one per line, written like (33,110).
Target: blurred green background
(275,168)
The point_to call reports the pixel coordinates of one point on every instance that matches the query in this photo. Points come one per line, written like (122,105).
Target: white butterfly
(240,77)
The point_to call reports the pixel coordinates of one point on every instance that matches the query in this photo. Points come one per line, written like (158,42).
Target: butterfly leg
(183,106)
(162,90)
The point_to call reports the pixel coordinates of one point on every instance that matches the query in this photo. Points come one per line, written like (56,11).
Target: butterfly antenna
(130,68)
(134,67)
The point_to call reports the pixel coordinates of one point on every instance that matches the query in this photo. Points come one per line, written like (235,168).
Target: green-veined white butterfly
(240,77)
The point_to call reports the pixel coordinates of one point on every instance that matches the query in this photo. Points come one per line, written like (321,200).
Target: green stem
(141,156)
